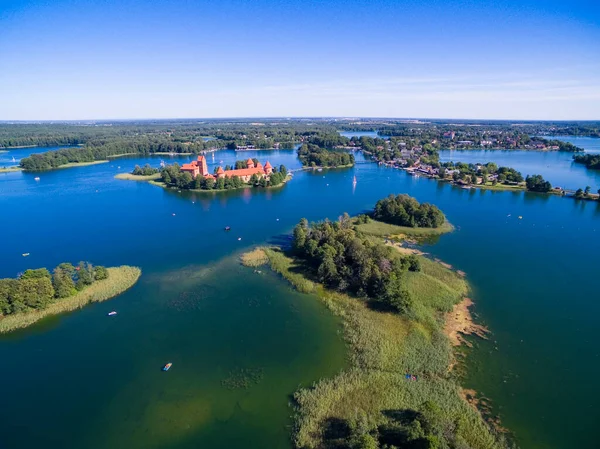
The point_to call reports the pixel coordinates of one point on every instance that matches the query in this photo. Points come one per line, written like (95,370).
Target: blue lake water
(351,134)
(87,381)
(11,157)
(555,166)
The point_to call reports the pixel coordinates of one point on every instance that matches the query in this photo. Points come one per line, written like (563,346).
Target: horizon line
(290,118)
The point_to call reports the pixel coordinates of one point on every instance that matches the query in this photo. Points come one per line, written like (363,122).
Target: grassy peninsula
(9,169)
(131,177)
(37,294)
(398,313)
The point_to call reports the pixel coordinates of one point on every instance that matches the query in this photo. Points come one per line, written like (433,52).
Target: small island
(196,177)
(314,156)
(37,293)
(401,313)
(591,161)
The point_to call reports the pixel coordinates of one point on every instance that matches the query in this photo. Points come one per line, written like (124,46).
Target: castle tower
(202,165)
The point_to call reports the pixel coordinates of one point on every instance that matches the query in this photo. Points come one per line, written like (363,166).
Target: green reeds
(119,279)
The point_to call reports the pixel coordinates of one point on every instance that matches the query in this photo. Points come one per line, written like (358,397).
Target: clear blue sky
(95,59)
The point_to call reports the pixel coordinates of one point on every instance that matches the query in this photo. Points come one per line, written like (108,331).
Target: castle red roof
(220,171)
(268,165)
(244,172)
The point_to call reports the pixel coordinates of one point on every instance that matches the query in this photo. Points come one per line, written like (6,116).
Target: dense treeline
(172,176)
(534,128)
(403,210)
(146,170)
(102,150)
(345,260)
(36,289)
(329,140)
(537,183)
(314,156)
(589,160)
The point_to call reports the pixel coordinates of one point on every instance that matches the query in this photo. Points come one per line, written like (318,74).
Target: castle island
(199,167)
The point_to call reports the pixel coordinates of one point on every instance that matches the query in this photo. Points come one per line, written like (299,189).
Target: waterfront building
(199,167)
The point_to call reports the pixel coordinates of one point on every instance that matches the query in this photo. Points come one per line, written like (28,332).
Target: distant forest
(95,141)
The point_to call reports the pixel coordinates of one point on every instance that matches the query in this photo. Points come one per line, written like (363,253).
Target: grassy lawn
(381,229)
(130,177)
(490,186)
(81,164)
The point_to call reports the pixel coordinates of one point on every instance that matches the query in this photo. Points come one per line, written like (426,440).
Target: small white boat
(112,313)
(25,254)
(37,178)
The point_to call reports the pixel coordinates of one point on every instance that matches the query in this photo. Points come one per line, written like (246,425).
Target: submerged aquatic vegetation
(243,378)
(399,389)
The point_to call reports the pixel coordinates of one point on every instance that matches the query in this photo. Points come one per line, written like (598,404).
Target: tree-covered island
(314,156)
(37,293)
(591,161)
(195,175)
(397,308)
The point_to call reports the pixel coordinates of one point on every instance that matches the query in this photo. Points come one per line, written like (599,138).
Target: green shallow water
(105,372)
(87,380)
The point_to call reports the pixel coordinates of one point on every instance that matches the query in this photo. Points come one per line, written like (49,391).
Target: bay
(555,166)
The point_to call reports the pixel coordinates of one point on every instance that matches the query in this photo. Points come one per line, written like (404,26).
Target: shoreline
(161,153)
(119,280)
(317,168)
(10,169)
(20,147)
(131,177)
(460,323)
(153,179)
(498,187)
(69,165)
(380,346)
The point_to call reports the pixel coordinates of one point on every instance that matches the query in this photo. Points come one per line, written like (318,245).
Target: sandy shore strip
(459,323)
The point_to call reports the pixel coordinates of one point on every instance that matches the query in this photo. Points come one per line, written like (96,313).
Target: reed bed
(130,177)
(382,348)
(254,258)
(119,279)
